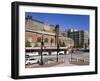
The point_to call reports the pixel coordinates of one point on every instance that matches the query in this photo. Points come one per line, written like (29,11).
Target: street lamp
(42,44)
(57,39)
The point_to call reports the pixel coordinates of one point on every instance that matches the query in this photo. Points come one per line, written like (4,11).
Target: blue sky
(65,21)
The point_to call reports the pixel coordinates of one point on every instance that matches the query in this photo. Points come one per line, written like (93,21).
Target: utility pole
(57,39)
(42,44)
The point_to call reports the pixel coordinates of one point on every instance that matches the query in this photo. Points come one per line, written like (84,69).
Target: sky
(65,21)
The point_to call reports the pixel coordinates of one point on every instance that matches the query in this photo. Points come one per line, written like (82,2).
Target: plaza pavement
(78,58)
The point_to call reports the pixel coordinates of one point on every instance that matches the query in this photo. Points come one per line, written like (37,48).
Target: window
(46,40)
(27,44)
(52,40)
(38,39)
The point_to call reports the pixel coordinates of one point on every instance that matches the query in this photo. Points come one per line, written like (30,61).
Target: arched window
(27,44)
(46,40)
(39,39)
(52,40)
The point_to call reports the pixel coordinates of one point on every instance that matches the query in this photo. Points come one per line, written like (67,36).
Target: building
(37,31)
(33,24)
(80,37)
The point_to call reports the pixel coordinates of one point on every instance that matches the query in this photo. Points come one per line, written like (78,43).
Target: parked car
(27,57)
(61,53)
(54,53)
(29,54)
(45,53)
(32,61)
(35,53)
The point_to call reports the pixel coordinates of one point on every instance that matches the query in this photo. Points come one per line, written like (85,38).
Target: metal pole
(42,43)
(57,39)
(71,55)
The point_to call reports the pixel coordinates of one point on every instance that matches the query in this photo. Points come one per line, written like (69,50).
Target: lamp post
(42,44)
(57,39)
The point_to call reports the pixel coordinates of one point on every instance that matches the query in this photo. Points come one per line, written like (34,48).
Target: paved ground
(45,65)
(77,58)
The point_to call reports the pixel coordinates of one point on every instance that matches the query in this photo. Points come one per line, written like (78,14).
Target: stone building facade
(36,32)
